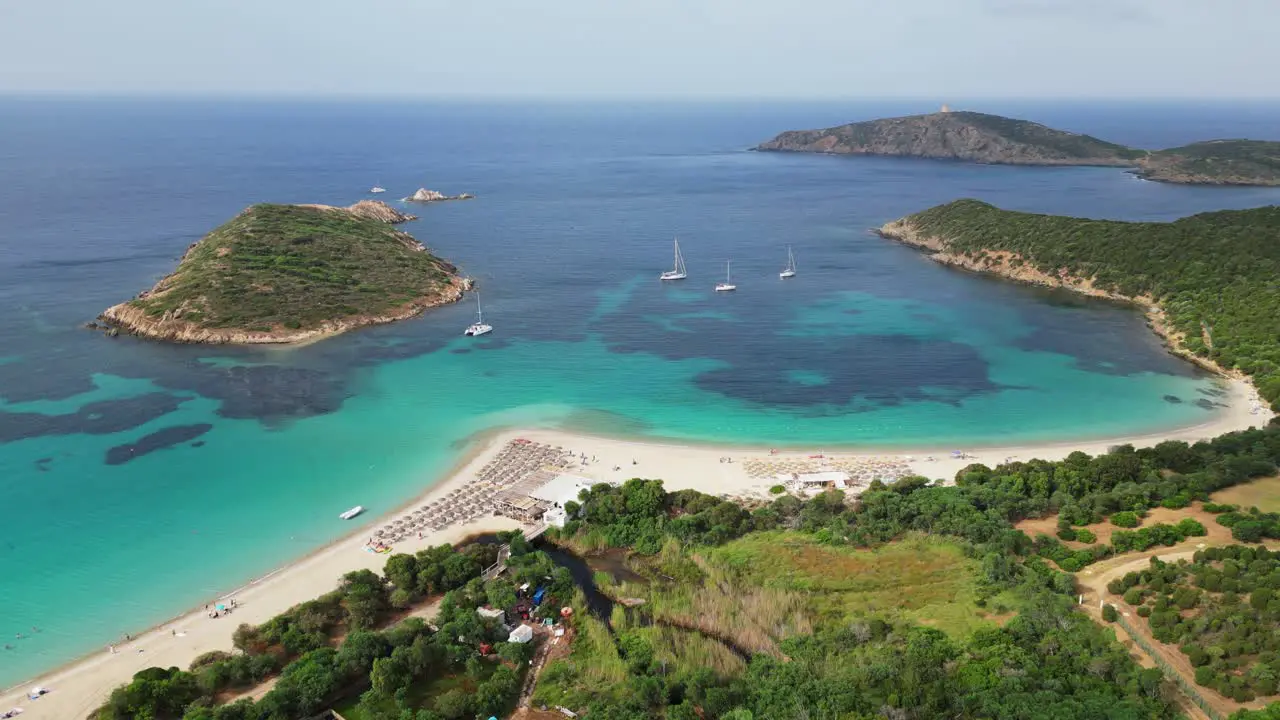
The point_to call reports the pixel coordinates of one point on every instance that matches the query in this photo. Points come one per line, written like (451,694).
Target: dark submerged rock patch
(98,418)
(158,440)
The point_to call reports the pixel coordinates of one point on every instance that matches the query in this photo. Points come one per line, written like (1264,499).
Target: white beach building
(556,517)
(828,478)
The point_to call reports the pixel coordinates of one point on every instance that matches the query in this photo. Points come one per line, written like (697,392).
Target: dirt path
(254,693)
(1093,581)
(549,648)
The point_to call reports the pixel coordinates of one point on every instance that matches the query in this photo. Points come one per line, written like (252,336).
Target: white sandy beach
(80,687)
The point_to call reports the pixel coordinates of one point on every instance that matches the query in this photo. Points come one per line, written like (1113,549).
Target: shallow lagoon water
(871,345)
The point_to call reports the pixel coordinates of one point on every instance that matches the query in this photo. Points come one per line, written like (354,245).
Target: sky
(645,48)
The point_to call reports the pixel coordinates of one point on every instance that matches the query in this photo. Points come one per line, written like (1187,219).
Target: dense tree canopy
(313,674)
(1221,609)
(1214,274)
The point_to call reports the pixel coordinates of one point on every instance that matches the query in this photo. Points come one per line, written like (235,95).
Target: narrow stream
(598,603)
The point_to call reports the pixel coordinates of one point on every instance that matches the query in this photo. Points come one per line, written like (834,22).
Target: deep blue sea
(870,345)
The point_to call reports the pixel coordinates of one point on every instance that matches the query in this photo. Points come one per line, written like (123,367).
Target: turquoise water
(871,345)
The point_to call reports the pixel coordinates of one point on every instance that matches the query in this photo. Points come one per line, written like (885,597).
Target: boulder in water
(424,195)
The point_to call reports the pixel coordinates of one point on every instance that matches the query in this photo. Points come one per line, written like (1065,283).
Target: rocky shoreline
(1012,266)
(371,210)
(1150,170)
(187,322)
(423,195)
(129,320)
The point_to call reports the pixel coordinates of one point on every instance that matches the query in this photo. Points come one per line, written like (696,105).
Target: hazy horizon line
(615,98)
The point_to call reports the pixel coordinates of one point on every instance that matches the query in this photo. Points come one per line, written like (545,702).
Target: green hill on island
(1218,162)
(1210,280)
(284,273)
(968,136)
(983,138)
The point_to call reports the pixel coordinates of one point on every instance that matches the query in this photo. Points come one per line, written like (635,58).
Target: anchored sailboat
(478,327)
(790,269)
(727,285)
(377,188)
(677,272)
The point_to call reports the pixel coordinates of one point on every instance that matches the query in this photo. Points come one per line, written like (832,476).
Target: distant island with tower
(977,137)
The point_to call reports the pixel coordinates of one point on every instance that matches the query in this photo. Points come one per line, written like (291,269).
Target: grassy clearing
(926,580)
(1263,494)
(1102,531)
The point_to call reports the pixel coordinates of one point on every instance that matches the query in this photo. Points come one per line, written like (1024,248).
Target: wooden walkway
(504,553)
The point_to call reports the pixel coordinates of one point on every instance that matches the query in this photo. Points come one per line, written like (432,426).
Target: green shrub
(1067,534)
(1191,527)
(1085,536)
(1109,613)
(777,490)
(1125,519)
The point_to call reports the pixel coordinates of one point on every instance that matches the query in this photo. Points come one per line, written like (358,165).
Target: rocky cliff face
(378,210)
(967,136)
(370,210)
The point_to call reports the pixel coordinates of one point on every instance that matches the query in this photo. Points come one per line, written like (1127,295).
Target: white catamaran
(677,272)
(478,327)
(790,269)
(727,285)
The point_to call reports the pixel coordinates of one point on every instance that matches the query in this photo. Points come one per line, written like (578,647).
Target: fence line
(1169,672)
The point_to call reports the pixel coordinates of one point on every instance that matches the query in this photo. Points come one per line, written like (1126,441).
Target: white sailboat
(479,327)
(677,272)
(727,285)
(790,269)
(377,189)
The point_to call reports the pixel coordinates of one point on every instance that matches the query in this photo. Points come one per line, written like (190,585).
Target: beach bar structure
(838,479)
(541,494)
(556,517)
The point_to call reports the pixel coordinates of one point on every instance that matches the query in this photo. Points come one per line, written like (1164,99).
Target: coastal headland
(291,273)
(1220,315)
(966,136)
(992,139)
(733,471)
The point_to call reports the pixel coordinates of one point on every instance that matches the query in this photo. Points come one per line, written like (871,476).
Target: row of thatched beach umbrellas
(516,461)
(861,470)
